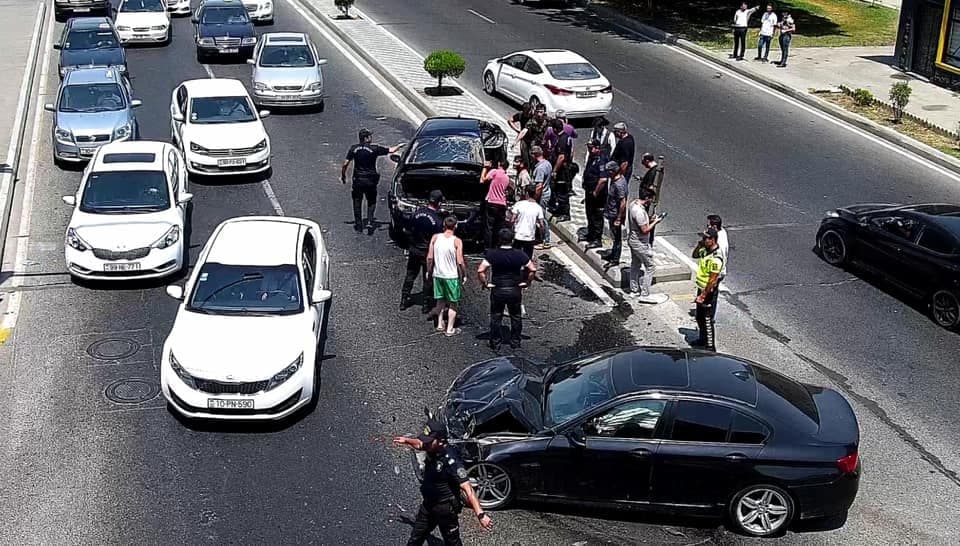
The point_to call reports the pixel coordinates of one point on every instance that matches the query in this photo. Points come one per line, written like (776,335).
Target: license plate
(232,162)
(81,10)
(141,35)
(226,50)
(133,266)
(586,94)
(220,403)
(87,151)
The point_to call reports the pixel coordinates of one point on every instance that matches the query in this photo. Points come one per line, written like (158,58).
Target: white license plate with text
(132,266)
(228,50)
(232,162)
(586,94)
(228,404)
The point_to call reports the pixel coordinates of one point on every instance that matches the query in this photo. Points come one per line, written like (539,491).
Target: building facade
(928,40)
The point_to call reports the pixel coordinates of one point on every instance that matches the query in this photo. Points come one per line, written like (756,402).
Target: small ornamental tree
(444,63)
(899,96)
(344,6)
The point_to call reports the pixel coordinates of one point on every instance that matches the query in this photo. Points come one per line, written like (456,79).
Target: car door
(308,262)
(177,190)
(708,449)
(529,79)
(510,68)
(929,258)
(178,107)
(608,456)
(882,241)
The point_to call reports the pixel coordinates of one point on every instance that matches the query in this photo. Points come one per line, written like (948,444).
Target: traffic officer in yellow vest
(709,266)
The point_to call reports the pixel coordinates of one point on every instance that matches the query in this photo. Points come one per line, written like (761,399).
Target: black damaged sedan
(657,429)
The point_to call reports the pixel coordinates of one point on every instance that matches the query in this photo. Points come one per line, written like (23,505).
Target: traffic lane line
(484,17)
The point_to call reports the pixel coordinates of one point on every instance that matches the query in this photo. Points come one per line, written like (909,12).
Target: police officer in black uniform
(424,224)
(365,176)
(510,271)
(595,193)
(444,478)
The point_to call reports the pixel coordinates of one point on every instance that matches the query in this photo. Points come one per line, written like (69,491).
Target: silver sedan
(286,71)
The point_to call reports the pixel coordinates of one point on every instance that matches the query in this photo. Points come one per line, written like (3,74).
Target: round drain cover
(113,349)
(132,391)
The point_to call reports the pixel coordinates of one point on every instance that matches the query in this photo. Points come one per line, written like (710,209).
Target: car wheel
(945,308)
(833,247)
(489,85)
(492,484)
(761,510)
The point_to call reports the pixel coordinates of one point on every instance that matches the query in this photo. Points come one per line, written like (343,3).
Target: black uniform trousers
(561,191)
(594,211)
(417,267)
(510,299)
(364,189)
(445,514)
(706,313)
(495,217)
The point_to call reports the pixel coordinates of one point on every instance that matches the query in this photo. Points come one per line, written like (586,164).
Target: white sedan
(178,7)
(129,213)
(250,332)
(557,78)
(259,11)
(143,21)
(218,128)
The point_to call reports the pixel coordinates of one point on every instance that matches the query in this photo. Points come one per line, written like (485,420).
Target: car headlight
(205,41)
(315,86)
(832,214)
(74,241)
(257,86)
(63,134)
(285,373)
(123,27)
(122,68)
(122,132)
(159,27)
(262,145)
(181,373)
(194,147)
(266,5)
(249,41)
(170,237)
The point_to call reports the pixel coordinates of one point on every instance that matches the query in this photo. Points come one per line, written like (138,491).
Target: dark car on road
(61,8)
(657,429)
(223,28)
(914,247)
(90,42)
(446,154)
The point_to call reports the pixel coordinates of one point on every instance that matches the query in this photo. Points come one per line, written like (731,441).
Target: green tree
(444,63)
(899,96)
(344,6)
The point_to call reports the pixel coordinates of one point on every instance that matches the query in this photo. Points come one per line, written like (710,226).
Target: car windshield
(224,16)
(446,149)
(142,6)
(247,290)
(573,71)
(79,40)
(577,387)
(221,110)
(92,97)
(125,192)
(286,55)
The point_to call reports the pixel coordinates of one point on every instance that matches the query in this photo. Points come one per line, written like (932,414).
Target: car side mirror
(321,62)
(49,107)
(395,158)
(320,296)
(57,46)
(251,61)
(577,438)
(175,292)
(264,113)
(136,103)
(70,200)
(186,198)
(178,117)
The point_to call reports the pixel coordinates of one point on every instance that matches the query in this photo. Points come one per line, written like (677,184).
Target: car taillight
(607,89)
(848,464)
(558,90)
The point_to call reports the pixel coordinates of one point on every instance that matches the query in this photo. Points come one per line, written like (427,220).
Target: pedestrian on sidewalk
(424,225)
(448,270)
(595,192)
(723,243)
(709,266)
(741,20)
(768,25)
(532,133)
(787,28)
(604,136)
(625,151)
(649,181)
(511,270)
(365,176)
(564,170)
(542,172)
(495,204)
(642,266)
(526,216)
(523,178)
(519,120)
(615,210)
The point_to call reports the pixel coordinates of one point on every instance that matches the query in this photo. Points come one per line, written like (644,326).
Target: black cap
(364,133)
(436,197)
(710,233)
(432,430)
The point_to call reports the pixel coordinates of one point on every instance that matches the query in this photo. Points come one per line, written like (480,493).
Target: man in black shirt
(365,176)
(511,270)
(595,192)
(444,477)
(426,223)
(624,152)
(649,182)
(564,170)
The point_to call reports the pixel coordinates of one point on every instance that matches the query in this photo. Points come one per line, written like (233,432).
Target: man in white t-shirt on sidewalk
(768,23)
(526,217)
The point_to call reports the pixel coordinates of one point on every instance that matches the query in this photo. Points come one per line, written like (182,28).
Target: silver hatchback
(94,106)
(286,71)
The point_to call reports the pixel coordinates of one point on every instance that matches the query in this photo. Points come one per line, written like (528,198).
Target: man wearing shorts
(446,266)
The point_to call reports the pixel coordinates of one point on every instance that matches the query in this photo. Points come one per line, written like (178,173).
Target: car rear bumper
(830,499)
(214,51)
(145,37)
(81,7)
(581,108)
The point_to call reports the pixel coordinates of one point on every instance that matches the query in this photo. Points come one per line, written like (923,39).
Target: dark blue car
(90,42)
(223,28)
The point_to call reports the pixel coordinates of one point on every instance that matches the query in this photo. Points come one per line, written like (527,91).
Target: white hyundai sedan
(129,213)
(557,78)
(218,128)
(143,21)
(249,335)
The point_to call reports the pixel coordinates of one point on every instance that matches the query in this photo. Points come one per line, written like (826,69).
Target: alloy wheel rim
(491,484)
(946,309)
(488,82)
(833,247)
(762,511)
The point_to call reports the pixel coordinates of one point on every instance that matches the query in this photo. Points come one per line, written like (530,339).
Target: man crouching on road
(444,476)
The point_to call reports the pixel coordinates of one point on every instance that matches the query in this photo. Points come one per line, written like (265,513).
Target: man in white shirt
(768,23)
(723,243)
(741,20)
(526,217)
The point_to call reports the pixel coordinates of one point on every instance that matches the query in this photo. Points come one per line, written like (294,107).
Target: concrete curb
(927,152)
(8,186)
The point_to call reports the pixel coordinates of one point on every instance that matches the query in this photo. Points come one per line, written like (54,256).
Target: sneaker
(758,58)
(653,299)
(358,227)
(543,246)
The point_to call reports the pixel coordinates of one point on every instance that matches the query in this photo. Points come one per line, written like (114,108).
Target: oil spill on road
(555,273)
(599,333)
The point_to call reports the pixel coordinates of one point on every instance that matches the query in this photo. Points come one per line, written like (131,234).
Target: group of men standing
(769,25)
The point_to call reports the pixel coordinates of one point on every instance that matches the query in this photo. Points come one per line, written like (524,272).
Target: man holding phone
(642,266)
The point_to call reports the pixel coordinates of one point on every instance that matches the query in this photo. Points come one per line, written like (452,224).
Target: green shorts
(446,289)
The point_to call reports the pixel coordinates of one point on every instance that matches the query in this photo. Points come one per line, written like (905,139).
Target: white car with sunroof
(129,213)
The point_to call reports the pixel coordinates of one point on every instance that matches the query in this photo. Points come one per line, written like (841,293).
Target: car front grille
(93,138)
(231,152)
(218,387)
(112,255)
(141,29)
(172,3)
(288,87)
(227,41)
(251,8)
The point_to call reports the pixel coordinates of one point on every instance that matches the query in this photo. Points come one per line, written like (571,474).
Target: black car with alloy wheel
(660,429)
(913,247)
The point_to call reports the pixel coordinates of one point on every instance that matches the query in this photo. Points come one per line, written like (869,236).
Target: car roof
(86,23)
(92,75)
(556,56)
(944,215)
(220,3)
(136,152)
(215,87)
(258,241)
(440,126)
(284,38)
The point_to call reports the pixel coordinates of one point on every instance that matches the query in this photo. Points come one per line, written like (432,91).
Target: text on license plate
(220,403)
(226,50)
(87,151)
(141,35)
(82,10)
(132,266)
(586,94)
(232,162)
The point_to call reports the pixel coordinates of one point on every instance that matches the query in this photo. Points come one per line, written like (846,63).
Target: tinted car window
(746,430)
(516,61)
(286,55)
(224,16)
(637,419)
(247,290)
(90,39)
(573,71)
(937,241)
(125,192)
(221,110)
(95,97)
(532,67)
(576,388)
(904,228)
(143,6)
(700,422)
(446,149)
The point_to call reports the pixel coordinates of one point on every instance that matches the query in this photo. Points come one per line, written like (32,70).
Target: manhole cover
(132,391)
(113,349)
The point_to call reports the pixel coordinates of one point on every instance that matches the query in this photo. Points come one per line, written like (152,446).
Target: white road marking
(209,72)
(26,209)
(484,17)
(582,277)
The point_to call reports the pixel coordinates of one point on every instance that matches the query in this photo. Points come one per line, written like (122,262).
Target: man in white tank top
(445,265)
